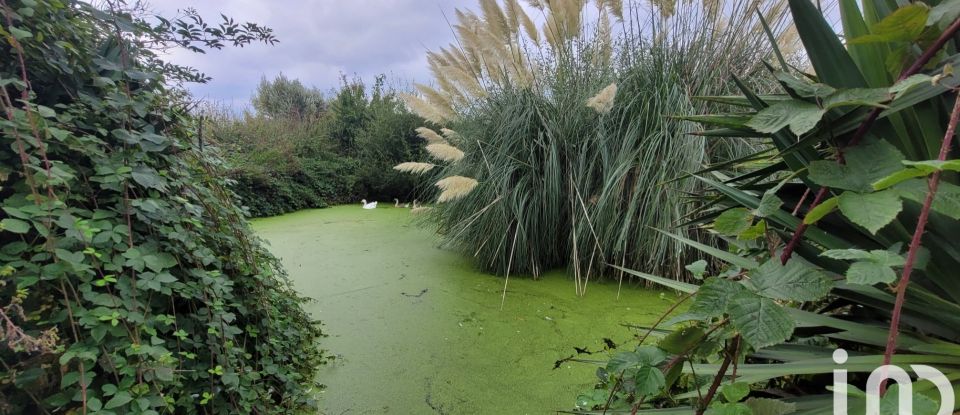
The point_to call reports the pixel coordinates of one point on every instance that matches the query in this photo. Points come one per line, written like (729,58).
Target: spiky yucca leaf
(455,187)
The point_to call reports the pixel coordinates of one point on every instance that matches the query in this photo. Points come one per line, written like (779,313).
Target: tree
(287,98)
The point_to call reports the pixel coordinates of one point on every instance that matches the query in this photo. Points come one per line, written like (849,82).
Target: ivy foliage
(131,283)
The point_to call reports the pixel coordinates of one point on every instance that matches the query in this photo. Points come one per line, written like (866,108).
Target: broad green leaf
(733,221)
(19,33)
(946,201)
(681,340)
(766,406)
(944,13)
(649,380)
(873,97)
(735,392)
(879,256)
(697,268)
(754,232)
(118,400)
(905,85)
(149,178)
(159,262)
(650,355)
(14,225)
(769,204)
(821,210)
(798,280)
(800,116)
(906,24)
(803,88)
(729,409)
(870,273)
(898,177)
(922,404)
(865,164)
(872,211)
(713,297)
(931,166)
(643,356)
(760,321)
(846,254)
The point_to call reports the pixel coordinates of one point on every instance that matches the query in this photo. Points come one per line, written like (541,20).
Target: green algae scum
(417,330)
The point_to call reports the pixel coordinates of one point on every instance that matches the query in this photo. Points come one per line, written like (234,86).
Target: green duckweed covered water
(418,330)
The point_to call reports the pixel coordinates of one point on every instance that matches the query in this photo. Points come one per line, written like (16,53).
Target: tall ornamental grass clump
(841,254)
(130,283)
(576,132)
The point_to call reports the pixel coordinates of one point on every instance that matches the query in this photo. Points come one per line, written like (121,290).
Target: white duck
(371,205)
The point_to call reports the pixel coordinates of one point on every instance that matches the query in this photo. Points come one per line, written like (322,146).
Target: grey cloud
(319,40)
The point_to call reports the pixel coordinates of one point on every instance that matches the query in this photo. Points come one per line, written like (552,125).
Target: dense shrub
(282,163)
(131,283)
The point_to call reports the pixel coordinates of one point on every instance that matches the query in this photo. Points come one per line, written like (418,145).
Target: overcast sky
(319,40)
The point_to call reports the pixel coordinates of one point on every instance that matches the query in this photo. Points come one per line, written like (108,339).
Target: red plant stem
(932,184)
(868,123)
(702,407)
(795,240)
(796,209)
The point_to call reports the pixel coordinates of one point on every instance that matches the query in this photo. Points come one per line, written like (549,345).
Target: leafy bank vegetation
(300,150)
(131,283)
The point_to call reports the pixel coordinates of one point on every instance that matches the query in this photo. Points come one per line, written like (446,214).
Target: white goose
(396,202)
(371,205)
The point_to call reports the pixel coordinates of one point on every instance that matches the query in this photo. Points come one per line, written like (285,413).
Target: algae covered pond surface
(418,330)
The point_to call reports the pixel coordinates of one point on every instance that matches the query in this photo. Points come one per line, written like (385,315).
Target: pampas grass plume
(455,187)
(414,167)
(445,152)
(431,136)
(603,101)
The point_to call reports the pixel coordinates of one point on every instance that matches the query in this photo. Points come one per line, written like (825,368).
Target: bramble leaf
(760,321)
(872,211)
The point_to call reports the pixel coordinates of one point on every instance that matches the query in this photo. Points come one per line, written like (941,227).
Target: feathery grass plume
(433,95)
(425,109)
(602,103)
(616,8)
(431,136)
(496,21)
(414,167)
(529,27)
(449,134)
(455,187)
(420,210)
(666,7)
(445,152)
